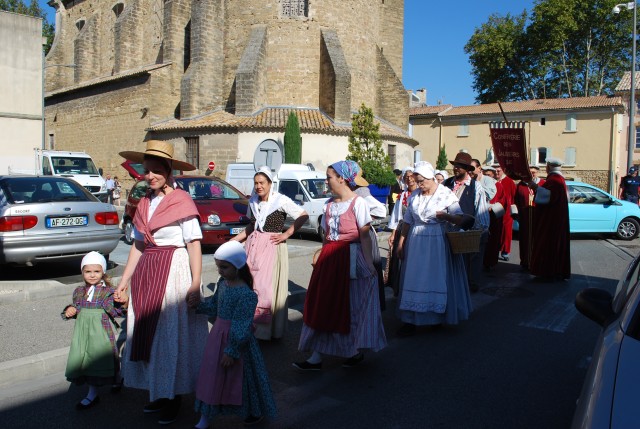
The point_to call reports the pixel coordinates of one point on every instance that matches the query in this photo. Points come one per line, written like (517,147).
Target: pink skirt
(261,258)
(218,385)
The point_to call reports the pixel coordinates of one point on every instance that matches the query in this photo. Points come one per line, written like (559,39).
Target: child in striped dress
(93,356)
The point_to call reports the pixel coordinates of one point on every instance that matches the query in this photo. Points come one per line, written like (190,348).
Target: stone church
(217,77)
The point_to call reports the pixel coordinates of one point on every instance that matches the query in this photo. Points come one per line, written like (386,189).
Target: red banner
(510,149)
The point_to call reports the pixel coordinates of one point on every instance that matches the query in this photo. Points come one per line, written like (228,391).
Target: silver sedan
(48,218)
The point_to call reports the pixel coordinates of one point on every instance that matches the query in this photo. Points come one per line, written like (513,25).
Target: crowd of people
(170,351)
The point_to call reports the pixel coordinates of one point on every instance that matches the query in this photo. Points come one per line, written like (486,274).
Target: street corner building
(217,77)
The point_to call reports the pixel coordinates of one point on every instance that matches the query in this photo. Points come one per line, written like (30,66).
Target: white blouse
(175,234)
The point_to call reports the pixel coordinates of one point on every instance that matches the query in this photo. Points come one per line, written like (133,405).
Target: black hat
(397,172)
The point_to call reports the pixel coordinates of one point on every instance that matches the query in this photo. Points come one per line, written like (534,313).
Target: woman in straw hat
(341,309)
(433,285)
(267,252)
(165,338)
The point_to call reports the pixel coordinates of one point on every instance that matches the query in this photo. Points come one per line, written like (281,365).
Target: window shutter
(570,156)
(533,156)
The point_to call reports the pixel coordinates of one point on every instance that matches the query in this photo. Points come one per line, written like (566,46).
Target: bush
(377,173)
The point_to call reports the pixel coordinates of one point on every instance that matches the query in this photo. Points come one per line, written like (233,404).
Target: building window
(294,8)
(193,151)
(187,46)
(539,155)
(637,137)
(118,8)
(80,24)
(391,150)
(543,122)
(570,157)
(572,123)
(463,129)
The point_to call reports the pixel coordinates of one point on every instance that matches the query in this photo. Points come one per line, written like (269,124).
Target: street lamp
(632,99)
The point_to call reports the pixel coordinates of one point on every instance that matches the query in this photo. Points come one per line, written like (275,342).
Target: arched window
(80,24)
(118,8)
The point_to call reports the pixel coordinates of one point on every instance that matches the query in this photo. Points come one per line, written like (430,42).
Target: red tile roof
(625,82)
(311,121)
(429,110)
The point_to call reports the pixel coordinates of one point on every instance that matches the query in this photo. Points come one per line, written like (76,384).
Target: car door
(590,210)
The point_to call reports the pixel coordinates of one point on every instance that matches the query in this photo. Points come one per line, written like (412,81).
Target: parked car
(593,210)
(47,218)
(609,397)
(222,208)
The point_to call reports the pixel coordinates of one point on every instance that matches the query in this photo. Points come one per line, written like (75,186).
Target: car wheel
(628,229)
(128,232)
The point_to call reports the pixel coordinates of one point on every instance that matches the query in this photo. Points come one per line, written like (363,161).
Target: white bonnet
(443,173)
(232,252)
(425,169)
(94,258)
(405,171)
(266,171)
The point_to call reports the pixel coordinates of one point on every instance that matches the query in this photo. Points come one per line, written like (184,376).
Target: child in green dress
(93,356)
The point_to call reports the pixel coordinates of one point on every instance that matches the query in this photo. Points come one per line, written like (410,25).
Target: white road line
(555,315)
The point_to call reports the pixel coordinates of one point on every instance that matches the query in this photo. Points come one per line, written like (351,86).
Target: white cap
(555,161)
(266,171)
(94,258)
(232,252)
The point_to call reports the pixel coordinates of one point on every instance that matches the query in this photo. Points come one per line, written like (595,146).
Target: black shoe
(407,330)
(156,406)
(306,366)
(81,406)
(252,420)
(353,361)
(117,387)
(170,411)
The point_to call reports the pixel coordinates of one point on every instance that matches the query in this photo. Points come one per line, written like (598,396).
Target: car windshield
(23,190)
(587,195)
(72,165)
(208,189)
(317,188)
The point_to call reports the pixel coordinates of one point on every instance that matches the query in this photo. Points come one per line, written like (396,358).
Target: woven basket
(464,241)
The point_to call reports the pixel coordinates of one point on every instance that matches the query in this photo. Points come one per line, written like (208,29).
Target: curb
(33,367)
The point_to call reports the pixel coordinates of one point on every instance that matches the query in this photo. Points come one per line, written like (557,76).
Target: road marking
(554,315)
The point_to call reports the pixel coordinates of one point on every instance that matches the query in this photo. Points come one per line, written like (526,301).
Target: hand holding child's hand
(120,294)
(226,361)
(70,312)
(193,296)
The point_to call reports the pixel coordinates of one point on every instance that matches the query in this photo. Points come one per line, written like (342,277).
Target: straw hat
(159,149)
(359,180)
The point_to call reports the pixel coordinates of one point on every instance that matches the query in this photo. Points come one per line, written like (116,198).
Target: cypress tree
(442,161)
(292,141)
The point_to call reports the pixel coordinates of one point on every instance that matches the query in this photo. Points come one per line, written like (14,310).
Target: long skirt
(433,280)
(242,389)
(273,278)
(178,343)
(91,359)
(365,330)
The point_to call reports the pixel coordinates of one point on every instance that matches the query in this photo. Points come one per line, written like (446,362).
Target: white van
(75,165)
(303,185)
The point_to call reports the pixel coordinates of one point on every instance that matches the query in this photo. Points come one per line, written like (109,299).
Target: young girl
(93,357)
(233,378)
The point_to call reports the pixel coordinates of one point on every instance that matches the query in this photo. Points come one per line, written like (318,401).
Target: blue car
(593,210)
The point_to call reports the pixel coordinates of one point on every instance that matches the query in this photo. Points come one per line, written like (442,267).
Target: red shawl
(175,206)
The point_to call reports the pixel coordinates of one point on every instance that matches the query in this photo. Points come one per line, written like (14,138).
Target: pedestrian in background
(396,189)
(110,184)
(524,201)
(629,184)
(551,257)
(341,309)
(509,189)
(117,190)
(394,263)
(93,356)
(488,183)
(441,176)
(233,378)
(496,211)
(433,285)
(267,252)
(165,338)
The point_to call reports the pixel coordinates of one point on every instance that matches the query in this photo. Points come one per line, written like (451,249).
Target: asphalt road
(518,363)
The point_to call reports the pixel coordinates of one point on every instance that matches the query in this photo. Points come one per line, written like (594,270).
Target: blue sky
(435,34)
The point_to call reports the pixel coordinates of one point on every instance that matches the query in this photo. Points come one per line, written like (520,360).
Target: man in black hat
(472,202)
(395,189)
(629,186)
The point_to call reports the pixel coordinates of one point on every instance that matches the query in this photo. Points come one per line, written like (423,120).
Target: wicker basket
(464,241)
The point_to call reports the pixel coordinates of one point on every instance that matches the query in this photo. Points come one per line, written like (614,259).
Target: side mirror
(101,171)
(596,304)
(299,198)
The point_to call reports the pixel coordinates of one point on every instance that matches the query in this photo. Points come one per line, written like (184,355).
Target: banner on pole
(510,149)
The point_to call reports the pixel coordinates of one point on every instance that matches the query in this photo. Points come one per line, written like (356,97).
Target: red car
(222,208)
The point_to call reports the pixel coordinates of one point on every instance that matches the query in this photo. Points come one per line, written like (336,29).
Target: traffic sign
(212,165)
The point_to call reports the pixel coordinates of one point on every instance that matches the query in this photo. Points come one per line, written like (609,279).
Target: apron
(91,352)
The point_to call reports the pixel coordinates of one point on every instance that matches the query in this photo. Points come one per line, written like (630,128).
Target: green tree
(292,140)
(365,147)
(18,6)
(442,162)
(565,48)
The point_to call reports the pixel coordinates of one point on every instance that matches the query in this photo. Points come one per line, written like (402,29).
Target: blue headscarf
(348,170)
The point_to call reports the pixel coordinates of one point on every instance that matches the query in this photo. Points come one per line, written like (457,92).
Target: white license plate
(58,222)
(236,231)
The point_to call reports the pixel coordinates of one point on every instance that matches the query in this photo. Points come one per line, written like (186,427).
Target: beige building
(586,132)
(21,89)
(623,89)
(218,77)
